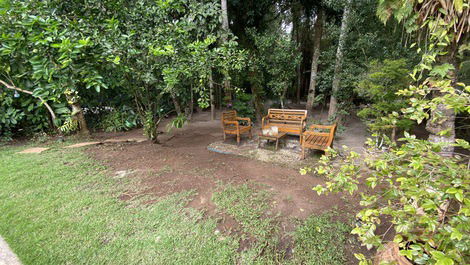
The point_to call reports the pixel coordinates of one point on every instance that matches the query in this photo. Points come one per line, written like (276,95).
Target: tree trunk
(257,91)
(175,103)
(443,118)
(219,97)
(226,29)
(295,10)
(76,108)
(318,27)
(223,4)
(211,96)
(77,114)
(339,60)
(189,109)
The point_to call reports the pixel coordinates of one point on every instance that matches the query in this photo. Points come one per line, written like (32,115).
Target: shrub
(243,104)
(423,195)
(379,88)
(121,119)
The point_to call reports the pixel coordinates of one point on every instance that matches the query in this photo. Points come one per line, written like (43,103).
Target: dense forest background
(115,65)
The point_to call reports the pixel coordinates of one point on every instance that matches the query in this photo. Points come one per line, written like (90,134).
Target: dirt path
(7,257)
(184,163)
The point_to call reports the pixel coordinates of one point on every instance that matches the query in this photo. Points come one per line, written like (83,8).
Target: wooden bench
(231,124)
(318,137)
(291,121)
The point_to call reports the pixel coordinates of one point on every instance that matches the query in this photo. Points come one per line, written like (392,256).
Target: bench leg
(277,143)
(238,139)
(251,135)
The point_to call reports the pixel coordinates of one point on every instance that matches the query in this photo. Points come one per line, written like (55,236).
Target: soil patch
(184,162)
(34,150)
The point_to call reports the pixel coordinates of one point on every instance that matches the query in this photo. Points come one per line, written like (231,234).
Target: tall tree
(226,29)
(318,31)
(296,10)
(339,59)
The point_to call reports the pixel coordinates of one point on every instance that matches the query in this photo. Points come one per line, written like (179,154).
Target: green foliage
(367,41)
(125,49)
(21,114)
(424,196)
(150,125)
(48,54)
(243,104)
(178,122)
(379,87)
(69,126)
(171,62)
(277,56)
(120,119)
(9,116)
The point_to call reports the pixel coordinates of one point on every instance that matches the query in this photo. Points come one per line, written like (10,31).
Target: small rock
(123,173)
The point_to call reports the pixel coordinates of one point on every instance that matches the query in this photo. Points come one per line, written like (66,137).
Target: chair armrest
(231,122)
(244,119)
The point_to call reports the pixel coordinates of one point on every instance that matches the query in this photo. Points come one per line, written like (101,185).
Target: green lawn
(60,207)
(320,240)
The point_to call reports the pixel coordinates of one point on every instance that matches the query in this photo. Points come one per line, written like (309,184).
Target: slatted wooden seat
(318,137)
(291,121)
(231,124)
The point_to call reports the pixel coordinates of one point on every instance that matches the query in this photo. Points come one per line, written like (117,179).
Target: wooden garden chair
(231,125)
(319,137)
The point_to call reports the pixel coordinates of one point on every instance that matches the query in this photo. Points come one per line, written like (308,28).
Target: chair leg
(251,135)
(238,139)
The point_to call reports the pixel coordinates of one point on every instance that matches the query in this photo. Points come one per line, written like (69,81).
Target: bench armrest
(317,126)
(263,120)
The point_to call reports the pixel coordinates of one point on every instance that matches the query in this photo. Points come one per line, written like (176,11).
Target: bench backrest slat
(291,121)
(230,115)
(287,114)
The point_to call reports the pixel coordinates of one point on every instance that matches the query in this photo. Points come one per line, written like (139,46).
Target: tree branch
(12,87)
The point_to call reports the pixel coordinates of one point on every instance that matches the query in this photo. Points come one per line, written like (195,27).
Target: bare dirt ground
(183,162)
